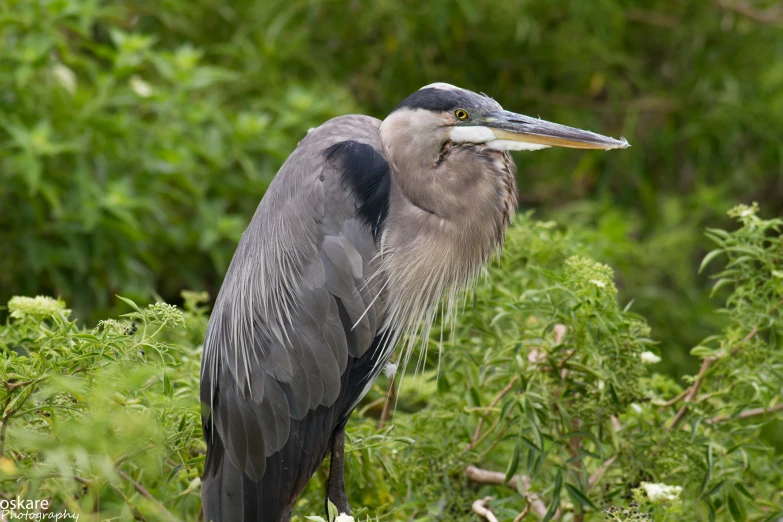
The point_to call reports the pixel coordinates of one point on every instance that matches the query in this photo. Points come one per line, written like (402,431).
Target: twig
(481,508)
(672,402)
(391,399)
(78,479)
(772,16)
(599,473)
(495,401)
(705,366)
(141,490)
(14,385)
(520,483)
(524,512)
(560,331)
(755,412)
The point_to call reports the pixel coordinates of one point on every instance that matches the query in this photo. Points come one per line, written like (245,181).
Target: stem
(519,483)
(705,366)
(477,434)
(391,398)
(672,402)
(755,412)
(481,508)
(141,490)
(599,473)
(524,513)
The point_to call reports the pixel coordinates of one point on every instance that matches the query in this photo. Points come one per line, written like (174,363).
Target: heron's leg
(335,490)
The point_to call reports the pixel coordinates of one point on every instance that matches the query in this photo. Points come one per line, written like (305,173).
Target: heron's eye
(461,114)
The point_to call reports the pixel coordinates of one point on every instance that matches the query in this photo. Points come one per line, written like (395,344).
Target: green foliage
(90,414)
(116,150)
(547,383)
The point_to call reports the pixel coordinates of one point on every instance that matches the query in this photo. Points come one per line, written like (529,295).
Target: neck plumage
(444,225)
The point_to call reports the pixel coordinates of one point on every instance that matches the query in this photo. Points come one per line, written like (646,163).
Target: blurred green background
(137,137)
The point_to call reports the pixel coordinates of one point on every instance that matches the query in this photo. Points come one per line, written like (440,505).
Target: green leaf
(579,497)
(715,489)
(709,257)
(513,464)
(332,510)
(130,303)
(739,487)
(737,508)
(720,284)
(167,388)
(555,497)
(708,472)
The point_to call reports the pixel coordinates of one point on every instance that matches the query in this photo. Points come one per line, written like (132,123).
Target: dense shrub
(550,382)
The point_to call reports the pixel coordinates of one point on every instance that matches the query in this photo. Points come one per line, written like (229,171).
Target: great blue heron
(364,230)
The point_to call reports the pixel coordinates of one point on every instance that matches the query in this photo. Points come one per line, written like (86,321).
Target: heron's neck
(446,219)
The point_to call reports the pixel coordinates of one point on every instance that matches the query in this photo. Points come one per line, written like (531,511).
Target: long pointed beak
(540,134)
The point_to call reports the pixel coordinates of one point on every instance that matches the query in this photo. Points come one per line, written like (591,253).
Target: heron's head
(444,142)
(440,113)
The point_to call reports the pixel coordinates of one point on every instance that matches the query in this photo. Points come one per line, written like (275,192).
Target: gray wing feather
(276,346)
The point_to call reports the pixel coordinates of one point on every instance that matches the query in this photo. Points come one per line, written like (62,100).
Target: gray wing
(298,308)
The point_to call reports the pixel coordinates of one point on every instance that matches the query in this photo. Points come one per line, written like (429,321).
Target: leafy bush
(546,388)
(116,150)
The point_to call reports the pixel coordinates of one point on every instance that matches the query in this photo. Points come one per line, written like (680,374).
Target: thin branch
(391,398)
(14,385)
(481,508)
(705,366)
(772,16)
(672,402)
(560,331)
(524,512)
(495,401)
(599,473)
(519,483)
(755,412)
(141,490)
(78,479)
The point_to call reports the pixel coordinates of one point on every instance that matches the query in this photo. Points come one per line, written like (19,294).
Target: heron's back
(293,342)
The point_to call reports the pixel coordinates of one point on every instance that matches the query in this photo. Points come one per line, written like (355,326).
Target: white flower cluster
(658,493)
(40,307)
(649,358)
(344,518)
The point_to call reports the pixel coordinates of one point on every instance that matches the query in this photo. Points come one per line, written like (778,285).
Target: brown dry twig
(524,512)
(481,508)
(520,483)
(391,399)
(755,412)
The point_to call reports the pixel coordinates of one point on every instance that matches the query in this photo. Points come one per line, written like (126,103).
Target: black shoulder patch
(366,173)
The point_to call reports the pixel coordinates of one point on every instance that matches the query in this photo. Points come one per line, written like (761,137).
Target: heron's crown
(442,97)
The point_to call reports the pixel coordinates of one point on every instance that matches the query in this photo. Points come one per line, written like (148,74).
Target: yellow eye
(461,114)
